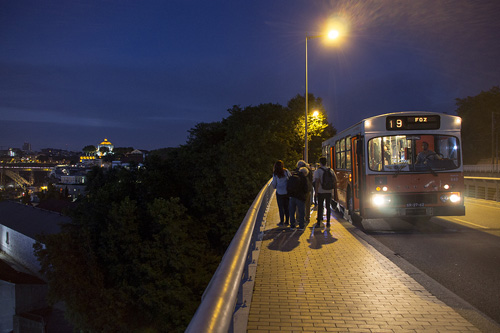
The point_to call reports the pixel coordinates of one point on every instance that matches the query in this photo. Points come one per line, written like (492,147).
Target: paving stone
(322,280)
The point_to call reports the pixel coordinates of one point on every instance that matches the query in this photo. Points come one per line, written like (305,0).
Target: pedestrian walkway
(321,280)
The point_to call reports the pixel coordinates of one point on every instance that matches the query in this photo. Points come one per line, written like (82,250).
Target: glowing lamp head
(333,34)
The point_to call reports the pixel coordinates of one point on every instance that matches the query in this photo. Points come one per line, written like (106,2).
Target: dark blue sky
(142,73)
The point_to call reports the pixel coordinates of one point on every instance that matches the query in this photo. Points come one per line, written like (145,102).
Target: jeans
(282,200)
(322,198)
(297,204)
(307,212)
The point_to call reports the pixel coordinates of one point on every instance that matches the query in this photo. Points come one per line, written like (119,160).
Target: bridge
(272,279)
(13,171)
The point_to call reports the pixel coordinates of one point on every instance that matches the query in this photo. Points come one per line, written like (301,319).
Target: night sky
(142,73)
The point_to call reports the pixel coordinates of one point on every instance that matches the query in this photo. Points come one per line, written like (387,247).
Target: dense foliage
(478,113)
(129,261)
(145,241)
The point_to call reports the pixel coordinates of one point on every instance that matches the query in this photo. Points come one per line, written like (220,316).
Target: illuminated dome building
(105,144)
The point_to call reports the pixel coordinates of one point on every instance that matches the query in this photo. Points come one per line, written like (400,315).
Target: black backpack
(327,181)
(293,185)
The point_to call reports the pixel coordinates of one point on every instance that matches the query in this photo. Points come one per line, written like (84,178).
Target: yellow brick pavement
(320,280)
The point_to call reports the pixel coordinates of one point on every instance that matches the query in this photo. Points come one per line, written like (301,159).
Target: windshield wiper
(400,168)
(434,173)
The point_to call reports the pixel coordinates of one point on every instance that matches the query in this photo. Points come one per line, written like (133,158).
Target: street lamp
(333,34)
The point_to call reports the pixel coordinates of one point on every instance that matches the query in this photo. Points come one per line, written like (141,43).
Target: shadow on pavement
(284,239)
(320,237)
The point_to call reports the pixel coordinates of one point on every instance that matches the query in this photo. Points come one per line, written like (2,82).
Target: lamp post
(333,34)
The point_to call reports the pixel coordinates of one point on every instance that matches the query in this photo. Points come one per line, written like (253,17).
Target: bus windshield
(413,153)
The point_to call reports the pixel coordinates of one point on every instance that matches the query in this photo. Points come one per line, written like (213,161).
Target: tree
(120,152)
(318,128)
(237,154)
(89,150)
(476,113)
(128,261)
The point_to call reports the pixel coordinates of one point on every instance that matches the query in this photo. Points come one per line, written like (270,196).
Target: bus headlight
(381,200)
(451,197)
(455,197)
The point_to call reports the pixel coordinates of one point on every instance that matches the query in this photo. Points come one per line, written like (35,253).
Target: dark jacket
(303,187)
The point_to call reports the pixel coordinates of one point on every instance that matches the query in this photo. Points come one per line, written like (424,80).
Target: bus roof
(377,124)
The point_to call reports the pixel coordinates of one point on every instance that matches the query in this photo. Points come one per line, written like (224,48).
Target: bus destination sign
(416,122)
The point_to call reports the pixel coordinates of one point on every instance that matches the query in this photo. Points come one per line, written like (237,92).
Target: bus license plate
(415,204)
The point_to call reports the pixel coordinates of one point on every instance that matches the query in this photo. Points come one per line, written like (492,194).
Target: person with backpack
(307,212)
(280,179)
(325,182)
(297,190)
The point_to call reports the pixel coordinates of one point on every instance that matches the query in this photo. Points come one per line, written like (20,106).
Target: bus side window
(337,155)
(375,154)
(342,153)
(348,152)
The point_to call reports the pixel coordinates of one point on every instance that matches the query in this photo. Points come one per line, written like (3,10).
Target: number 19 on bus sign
(417,122)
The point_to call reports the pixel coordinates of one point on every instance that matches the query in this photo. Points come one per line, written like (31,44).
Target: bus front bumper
(373,213)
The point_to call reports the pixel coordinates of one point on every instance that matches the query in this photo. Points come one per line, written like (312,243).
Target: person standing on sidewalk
(307,211)
(325,182)
(280,178)
(297,191)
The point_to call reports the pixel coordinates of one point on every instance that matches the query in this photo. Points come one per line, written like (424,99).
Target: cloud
(56,118)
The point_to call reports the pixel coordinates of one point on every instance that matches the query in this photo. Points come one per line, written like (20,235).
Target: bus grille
(414,199)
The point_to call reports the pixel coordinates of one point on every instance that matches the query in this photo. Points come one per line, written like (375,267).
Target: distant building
(135,156)
(23,291)
(26,147)
(74,184)
(89,160)
(104,144)
(14,152)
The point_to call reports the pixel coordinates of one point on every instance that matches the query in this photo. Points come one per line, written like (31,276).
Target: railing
(482,168)
(219,301)
(482,187)
(482,181)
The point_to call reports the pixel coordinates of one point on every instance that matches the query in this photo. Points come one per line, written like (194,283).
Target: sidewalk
(320,280)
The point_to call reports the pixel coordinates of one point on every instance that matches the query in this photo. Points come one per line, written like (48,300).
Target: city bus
(403,164)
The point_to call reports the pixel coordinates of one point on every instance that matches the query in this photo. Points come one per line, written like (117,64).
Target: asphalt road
(461,253)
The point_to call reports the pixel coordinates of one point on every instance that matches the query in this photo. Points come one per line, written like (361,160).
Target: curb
(465,309)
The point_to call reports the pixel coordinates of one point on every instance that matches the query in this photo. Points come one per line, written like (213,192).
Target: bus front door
(357,175)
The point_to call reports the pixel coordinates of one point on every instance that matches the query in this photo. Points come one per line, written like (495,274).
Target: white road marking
(463,221)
